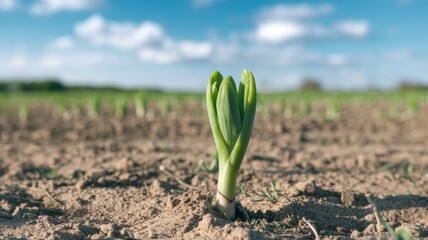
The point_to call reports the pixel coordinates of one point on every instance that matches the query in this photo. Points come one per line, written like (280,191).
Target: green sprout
(121,107)
(165,108)
(61,108)
(305,107)
(333,110)
(231,114)
(23,113)
(269,194)
(94,107)
(412,107)
(212,167)
(140,105)
(400,233)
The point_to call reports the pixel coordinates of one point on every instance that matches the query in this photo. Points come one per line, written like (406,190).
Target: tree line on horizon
(55,85)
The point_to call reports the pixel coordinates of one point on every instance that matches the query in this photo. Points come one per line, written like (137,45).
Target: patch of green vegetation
(211,168)
(400,233)
(269,194)
(405,168)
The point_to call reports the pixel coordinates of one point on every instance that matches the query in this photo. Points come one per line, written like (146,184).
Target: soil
(82,177)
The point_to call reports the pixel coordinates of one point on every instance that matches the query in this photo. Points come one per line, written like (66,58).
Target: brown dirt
(97,178)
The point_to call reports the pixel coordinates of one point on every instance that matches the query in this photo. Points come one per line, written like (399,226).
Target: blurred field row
(320,105)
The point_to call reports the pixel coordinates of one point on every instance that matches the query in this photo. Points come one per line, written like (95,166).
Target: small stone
(107,228)
(195,181)
(17,212)
(48,221)
(81,184)
(156,189)
(370,230)
(347,197)
(124,176)
(340,229)
(307,187)
(122,163)
(97,236)
(355,234)
(123,232)
(361,161)
(369,218)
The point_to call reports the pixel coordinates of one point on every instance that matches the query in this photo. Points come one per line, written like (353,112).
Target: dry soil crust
(92,178)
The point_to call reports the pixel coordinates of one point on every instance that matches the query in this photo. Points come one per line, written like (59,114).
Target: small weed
(333,110)
(241,190)
(406,169)
(269,194)
(400,233)
(121,107)
(257,223)
(23,113)
(263,224)
(213,167)
(48,173)
(77,175)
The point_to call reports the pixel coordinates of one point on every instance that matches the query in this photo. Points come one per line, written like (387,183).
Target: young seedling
(94,107)
(165,108)
(412,107)
(23,113)
(305,107)
(63,109)
(289,110)
(212,167)
(140,105)
(333,110)
(121,107)
(400,233)
(231,114)
(269,194)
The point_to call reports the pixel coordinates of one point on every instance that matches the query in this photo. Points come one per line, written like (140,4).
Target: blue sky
(176,44)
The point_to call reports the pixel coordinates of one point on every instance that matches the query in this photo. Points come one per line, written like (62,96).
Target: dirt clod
(306,187)
(102,176)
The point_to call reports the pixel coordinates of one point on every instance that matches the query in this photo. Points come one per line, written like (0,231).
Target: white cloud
(18,61)
(52,61)
(358,29)
(295,12)
(195,50)
(174,52)
(157,55)
(42,7)
(8,5)
(284,31)
(119,35)
(63,42)
(284,23)
(274,56)
(147,38)
(152,44)
(280,31)
(337,59)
